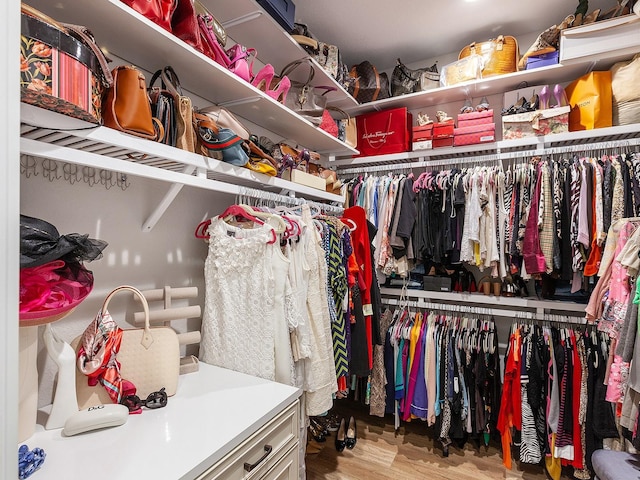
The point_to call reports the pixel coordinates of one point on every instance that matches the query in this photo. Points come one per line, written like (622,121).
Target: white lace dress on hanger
(237,322)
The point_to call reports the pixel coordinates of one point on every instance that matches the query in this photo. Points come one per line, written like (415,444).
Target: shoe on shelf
(279,93)
(423,119)
(544,96)
(443,117)
(263,78)
(341,436)
(352,434)
(561,96)
(467,107)
(483,105)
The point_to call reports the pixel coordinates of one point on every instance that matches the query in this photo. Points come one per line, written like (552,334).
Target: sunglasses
(155,400)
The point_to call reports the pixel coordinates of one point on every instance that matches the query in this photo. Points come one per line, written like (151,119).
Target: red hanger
(232,211)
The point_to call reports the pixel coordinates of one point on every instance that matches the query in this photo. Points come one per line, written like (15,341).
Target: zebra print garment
(576,179)
(530,451)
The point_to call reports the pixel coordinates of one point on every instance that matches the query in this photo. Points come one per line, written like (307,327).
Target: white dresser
(220,424)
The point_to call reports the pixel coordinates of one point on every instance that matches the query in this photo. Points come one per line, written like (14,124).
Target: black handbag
(406,80)
(368,85)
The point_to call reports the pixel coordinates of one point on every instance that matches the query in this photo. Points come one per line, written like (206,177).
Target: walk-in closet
(287,239)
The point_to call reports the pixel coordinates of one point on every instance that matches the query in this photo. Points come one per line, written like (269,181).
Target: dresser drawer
(286,468)
(262,450)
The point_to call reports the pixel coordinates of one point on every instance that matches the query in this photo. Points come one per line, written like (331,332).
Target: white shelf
(477,88)
(507,303)
(548,144)
(127,34)
(82,143)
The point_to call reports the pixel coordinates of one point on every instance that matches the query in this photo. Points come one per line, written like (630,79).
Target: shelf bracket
(166,201)
(242,19)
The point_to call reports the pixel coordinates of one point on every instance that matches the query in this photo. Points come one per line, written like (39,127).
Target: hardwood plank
(381,454)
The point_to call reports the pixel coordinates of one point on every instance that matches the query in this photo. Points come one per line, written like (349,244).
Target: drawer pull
(267,450)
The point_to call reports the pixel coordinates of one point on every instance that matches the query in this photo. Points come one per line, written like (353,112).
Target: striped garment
(576,178)
(547,233)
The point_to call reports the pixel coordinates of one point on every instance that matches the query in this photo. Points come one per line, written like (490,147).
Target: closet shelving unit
(594,141)
(122,31)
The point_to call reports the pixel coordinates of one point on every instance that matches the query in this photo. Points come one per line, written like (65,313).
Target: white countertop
(213,411)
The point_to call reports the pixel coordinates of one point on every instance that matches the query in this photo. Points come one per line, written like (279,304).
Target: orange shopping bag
(590,100)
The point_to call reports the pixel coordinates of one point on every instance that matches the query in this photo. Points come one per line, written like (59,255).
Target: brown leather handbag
(126,106)
(500,55)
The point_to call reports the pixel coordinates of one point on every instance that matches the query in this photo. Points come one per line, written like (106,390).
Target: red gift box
(443,130)
(424,132)
(388,131)
(475,134)
(475,118)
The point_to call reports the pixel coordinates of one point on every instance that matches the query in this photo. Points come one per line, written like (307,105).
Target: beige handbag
(223,118)
(625,90)
(148,357)
(347,130)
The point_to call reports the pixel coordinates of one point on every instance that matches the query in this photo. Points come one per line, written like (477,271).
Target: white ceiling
(382,30)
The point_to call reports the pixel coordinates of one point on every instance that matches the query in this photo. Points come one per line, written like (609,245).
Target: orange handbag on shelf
(500,55)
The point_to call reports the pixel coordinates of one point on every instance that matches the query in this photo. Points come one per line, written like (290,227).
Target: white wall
(168,255)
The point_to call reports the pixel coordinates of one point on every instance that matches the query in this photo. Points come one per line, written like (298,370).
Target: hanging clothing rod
(276,198)
(398,167)
(534,151)
(496,312)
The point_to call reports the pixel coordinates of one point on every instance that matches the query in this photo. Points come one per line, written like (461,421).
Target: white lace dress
(320,369)
(237,322)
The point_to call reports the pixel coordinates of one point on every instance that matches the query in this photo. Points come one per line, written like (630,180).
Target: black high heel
(352,434)
(515,108)
(341,436)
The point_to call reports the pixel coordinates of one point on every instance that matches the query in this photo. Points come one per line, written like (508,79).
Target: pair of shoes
(318,433)
(347,434)
(443,117)
(559,95)
(483,105)
(467,107)
(264,78)
(423,119)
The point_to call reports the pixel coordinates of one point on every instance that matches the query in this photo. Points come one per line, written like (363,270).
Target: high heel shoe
(544,96)
(467,107)
(351,436)
(280,92)
(534,103)
(341,436)
(560,96)
(483,105)
(263,79)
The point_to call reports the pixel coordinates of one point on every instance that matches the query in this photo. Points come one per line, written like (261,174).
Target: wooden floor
(412,454)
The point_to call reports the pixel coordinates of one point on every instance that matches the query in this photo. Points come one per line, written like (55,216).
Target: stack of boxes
(422,137)
(443,134)
(475,127)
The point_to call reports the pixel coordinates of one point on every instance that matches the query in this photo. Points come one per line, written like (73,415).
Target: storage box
(384,132)
(442,142)
(436,284)
(475,118)
(304,178)
(543,60)
(423,132)
(474,134)
(283,11)
(540,122)
(443,130)
(617,36)
(58,72)
(422,145)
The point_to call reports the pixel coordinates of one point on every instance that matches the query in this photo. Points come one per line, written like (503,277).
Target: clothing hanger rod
(246,193)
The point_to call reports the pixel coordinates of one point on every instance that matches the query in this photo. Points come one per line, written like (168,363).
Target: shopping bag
(591,102)
(388,131)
